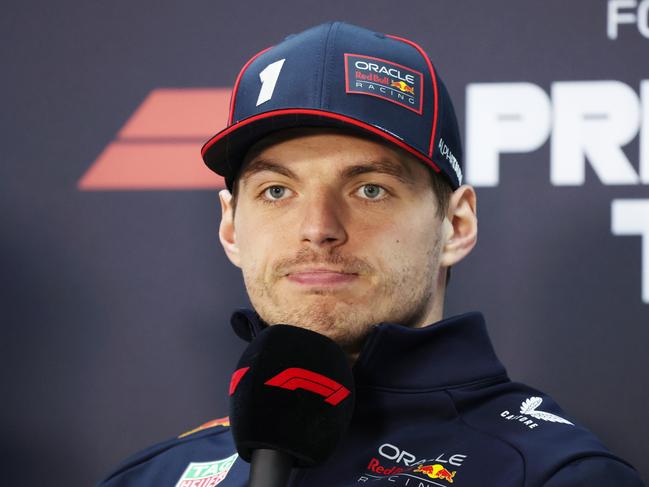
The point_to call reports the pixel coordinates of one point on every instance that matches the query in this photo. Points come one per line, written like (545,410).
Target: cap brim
(224,152)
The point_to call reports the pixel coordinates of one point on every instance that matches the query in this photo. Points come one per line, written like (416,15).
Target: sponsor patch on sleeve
(206,474)
(383,79)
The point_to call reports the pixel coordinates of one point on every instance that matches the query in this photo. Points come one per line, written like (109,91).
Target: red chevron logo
(236,378)
(159,145)
(296,378)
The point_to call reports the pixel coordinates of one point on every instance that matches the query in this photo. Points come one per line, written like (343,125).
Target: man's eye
(275,192)
(371,191)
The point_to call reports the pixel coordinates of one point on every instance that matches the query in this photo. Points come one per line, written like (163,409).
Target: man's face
(336,233)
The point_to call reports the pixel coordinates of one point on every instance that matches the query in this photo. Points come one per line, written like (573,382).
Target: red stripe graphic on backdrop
(159,146)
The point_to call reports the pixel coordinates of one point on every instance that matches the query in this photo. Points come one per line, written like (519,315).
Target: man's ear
(460,226)
(227,235)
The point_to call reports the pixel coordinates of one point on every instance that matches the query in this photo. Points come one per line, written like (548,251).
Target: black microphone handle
(269,468)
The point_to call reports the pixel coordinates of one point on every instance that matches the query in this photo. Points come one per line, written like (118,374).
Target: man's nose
(322,221)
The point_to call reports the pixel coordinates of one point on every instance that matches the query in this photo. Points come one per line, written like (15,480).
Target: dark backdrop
(115,291)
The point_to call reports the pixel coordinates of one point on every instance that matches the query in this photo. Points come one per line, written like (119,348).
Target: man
(345,211)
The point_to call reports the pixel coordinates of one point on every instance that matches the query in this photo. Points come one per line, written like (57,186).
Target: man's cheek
(252,261)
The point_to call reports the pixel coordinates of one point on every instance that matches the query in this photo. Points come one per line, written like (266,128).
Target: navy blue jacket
(434,407)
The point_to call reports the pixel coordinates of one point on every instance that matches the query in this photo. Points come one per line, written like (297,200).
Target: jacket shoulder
(201,453)
(595,472)
(532,423)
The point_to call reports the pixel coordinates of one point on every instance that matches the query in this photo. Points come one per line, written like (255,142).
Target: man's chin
(339,323)
(349,340)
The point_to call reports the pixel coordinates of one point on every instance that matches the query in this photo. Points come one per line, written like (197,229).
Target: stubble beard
(401,295)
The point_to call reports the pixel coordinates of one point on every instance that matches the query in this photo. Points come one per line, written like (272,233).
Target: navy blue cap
(344,76)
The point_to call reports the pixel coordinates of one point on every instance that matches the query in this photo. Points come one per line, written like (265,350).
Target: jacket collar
(452,352)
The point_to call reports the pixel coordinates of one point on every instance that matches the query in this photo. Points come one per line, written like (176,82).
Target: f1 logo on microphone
(296,378)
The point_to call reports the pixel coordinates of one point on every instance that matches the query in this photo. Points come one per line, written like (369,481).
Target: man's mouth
(321,277)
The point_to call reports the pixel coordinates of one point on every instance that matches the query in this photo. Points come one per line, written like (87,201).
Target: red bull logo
(436,471)
(403,86)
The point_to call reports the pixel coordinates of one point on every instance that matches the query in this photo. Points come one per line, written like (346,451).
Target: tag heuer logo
(206,474)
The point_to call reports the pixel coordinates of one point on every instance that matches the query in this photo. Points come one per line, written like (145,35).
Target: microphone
(291,401)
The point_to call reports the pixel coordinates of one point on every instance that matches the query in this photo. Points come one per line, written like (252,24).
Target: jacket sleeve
(197,458)
(595,472)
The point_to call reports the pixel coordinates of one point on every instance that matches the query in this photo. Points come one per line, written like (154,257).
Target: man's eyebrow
(384,166)
(259,165)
